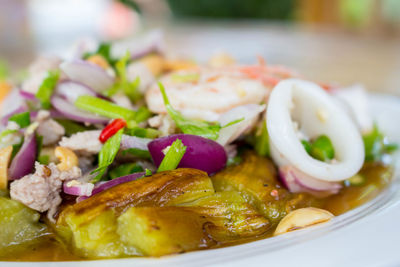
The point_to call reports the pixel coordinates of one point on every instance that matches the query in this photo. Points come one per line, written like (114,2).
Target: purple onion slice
(70,90)
(201,153)
(71,112)
(298,182)
(101,186)
(24,161)
(89,74)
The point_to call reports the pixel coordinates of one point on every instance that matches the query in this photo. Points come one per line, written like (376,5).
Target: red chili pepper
(111,129)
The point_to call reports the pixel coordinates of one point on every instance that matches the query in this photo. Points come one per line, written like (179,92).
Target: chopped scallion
(22,119)
(104,108)
(47,87)
(173,156)
(107,154)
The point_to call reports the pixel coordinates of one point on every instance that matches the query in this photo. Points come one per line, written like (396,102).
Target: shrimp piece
(205,93)
(297,102)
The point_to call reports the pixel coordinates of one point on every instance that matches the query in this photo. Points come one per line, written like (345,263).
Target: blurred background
(343,41)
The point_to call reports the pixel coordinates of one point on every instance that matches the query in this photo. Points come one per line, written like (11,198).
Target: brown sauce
(377,176)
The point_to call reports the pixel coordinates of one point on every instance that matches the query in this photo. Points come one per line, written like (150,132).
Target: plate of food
(124,155)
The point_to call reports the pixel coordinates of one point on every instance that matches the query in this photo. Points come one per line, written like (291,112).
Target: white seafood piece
(205,93)
(297,102)
(249,115)
(355,100)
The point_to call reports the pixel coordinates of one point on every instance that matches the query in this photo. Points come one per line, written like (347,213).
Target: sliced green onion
(107,154)
(104,108)
(262,141)
(125,169)
(143,132)
(142,114)
(131,89)
(73,127)
(44,159)
(307,146)
(173,156)
(148,172)
(47,87)
(22,119)
(320,149)
(356,180)
(376,145)
(144,154)
(185,78)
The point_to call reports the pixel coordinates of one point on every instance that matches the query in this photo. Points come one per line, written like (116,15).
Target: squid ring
(298,107)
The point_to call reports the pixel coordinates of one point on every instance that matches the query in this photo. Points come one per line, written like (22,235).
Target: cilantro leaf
(173,156)
(107,154)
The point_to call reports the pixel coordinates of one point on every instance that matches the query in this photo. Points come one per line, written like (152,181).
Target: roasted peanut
(302,218)
(5,89)
(154,63)
(5,157)
(221,60)
(67,158)
(99,61)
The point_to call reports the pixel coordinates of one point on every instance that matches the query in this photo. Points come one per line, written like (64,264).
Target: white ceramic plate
(366,236)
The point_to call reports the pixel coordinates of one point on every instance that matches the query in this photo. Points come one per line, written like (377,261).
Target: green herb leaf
(5,133)
(44,159)
(47,87)
(173,156)
(130,89)
(73,127)
(39,144)
(142,132)
(107,154)
(104,108)
(131,4)
(148,172)
(262,141)
(307,146)
(125,169)
(195,127)
(4,70)
(22,119)
(356,180)
(185,78)
(320,149)
(376,145)
(144,154)
(103,50)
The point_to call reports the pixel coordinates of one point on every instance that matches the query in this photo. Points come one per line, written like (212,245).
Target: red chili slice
(111,129)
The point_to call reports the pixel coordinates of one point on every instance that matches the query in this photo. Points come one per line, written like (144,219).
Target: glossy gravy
(378,177)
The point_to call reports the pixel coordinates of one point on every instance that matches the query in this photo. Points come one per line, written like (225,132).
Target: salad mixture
(119,152)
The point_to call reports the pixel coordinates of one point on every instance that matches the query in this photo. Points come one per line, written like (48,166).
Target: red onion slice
(88,73)
(70,90)
(201,153)
(71,112)
(297,182)
(78,188)
(101,186)
(142,46)
(24,161)
(27,95)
